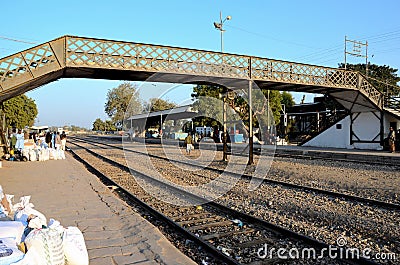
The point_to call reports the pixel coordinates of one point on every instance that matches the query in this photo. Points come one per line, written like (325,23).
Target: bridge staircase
(392,106)
(318,126)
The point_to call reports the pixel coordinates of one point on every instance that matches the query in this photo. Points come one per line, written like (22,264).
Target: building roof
(182,112)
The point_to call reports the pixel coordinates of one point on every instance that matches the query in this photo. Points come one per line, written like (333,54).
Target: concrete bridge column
(251,161)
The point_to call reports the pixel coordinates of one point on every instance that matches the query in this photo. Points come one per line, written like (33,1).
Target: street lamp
(220,27)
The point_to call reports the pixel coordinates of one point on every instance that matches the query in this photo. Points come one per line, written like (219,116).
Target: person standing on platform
(13,140)
(63,137)
(392,139)
(48,139)
(189,143)
(53,140)
(57,141)
(20,140)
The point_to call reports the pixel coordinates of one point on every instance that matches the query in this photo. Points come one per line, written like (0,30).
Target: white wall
(388,119)
(333,137)
(366,127)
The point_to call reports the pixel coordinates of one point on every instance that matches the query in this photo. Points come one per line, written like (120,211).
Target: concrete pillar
(251,160)
(224,134)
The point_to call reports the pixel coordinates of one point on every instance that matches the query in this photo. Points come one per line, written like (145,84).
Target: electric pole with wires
(357,51)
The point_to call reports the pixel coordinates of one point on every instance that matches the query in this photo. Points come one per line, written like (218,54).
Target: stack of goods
(30,240)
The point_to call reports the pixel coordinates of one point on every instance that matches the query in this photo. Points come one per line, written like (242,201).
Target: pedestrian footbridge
(79,57)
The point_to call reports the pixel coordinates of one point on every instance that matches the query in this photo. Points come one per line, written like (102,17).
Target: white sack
(74,247)
(9,252)
(24,208)
(12,229)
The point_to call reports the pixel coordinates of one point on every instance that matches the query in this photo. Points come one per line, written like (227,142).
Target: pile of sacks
(30,240)
(42,153)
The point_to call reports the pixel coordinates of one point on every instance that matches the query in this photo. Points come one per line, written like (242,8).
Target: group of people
(53,140)
(46,139)
(17,140)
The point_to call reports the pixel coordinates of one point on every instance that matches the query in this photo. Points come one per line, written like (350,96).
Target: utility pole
(357,51)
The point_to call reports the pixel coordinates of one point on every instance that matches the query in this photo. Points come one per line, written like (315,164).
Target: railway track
(232,236)
(334,194)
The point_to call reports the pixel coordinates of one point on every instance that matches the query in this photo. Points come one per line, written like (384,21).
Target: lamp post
(220,26)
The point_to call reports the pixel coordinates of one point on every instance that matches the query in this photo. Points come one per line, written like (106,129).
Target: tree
(20,111)
(109,126)
(212,110)
(287,99)
(98,125)
(386,77)
(122,102)
(71,128)
(157,104)
(240,105)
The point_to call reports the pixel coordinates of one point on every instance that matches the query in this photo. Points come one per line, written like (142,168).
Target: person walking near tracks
(392,139)
(189,143)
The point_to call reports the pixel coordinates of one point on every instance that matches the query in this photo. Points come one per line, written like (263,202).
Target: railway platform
(114,234)
(358,155)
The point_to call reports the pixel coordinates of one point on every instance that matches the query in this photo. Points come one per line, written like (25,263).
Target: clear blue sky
(301,31)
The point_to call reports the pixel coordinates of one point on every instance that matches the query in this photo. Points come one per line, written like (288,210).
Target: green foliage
(99,125)
(122,101)
(212,109)
(74,128)
(20,111)
(275,101)
(239,103)
(287,99)
(109,126)
(157,104)
(385,75)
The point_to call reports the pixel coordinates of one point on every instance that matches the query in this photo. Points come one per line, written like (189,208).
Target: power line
(325,52)
(382,35)
(382,82)
(387,51)
(270,37)
(11,39)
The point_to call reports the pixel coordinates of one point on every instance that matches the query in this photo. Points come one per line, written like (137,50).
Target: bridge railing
(69,51)
(156,58)
(27,64)
(32,63)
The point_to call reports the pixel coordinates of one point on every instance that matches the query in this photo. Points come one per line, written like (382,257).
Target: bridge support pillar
(251,160)
(382,130)
(224,134)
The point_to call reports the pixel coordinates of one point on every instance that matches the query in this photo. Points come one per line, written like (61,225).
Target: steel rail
(371,202)
(108,181)
(249,218)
